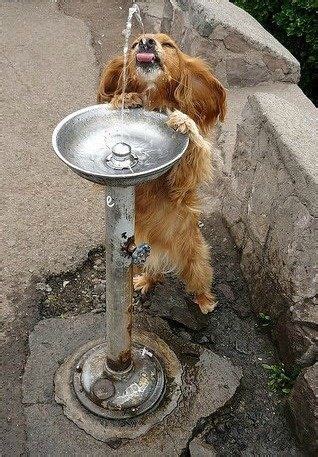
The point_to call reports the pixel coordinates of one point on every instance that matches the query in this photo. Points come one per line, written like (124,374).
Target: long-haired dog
(161,77)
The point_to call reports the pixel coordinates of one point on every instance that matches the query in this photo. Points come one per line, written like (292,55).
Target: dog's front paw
(131,100)
(182,123)
(206,302)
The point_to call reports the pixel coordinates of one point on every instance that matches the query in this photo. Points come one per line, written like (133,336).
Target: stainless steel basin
(87,139)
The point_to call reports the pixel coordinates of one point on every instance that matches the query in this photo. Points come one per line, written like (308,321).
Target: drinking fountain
(120,377)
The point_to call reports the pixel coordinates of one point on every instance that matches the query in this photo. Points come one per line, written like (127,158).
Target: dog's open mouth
(148,61)
(145,57)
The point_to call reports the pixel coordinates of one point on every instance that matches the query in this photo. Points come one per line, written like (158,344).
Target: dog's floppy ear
(111,80)
(200,94)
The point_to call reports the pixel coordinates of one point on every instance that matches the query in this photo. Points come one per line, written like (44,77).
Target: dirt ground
(255,423)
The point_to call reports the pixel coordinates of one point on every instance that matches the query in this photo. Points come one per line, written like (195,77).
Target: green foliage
(295,24)
(264,321)
(279,380)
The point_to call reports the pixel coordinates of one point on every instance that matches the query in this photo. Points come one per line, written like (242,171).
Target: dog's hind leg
(193,262)
(151,274)
(144,282)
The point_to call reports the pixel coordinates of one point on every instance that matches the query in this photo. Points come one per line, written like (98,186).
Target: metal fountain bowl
(87,141)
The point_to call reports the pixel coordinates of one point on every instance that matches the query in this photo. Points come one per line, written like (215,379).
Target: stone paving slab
(52,217)
(209,382)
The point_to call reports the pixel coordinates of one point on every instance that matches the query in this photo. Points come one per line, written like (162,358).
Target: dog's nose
(147,45)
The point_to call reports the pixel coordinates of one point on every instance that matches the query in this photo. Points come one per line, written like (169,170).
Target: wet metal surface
(121,157)
(84,140)
(116,380)
(100,426)
(120,224)
(118,395)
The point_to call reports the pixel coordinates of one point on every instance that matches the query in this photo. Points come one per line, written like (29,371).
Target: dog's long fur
(167,209)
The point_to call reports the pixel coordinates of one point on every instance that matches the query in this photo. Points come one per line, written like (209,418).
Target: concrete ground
(252,423)
(51,433)
(51,217)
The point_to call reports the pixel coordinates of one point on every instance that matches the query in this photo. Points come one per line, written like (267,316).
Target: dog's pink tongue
(145,57)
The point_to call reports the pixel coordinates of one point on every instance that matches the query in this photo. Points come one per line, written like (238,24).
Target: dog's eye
(168,45)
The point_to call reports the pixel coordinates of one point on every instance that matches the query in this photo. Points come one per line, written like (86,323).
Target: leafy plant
(279,379)
(294,23)
(264,321)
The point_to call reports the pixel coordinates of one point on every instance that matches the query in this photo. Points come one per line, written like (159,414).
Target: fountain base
(81,379)
(198,383)
(119,395)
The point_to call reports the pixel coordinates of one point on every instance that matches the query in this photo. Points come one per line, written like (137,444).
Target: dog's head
(155,61)
(153,58)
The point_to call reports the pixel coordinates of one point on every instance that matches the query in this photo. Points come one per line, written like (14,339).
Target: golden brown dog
(161,77)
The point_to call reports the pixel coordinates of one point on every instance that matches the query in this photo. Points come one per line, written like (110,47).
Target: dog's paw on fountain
(129,100)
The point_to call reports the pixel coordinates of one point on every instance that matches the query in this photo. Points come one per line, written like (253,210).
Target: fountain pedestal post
(120,223)
(117,380)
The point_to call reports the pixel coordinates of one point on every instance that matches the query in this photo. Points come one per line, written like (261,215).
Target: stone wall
(272,211)
(241,52)
(266,182)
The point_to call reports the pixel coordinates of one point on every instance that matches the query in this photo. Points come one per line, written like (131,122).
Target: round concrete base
(117,428)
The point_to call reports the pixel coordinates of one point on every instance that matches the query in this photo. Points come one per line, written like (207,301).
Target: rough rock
(180,24)
(246,72)
(166,17)
(152,13)
(244,52)
(199,448)
(303,403)
(297,334)
(176,306)
(275,179)
(226,291)
(234,43)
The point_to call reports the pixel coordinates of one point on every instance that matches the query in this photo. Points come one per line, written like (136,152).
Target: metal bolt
(146,352)
(103,389)
(140,254)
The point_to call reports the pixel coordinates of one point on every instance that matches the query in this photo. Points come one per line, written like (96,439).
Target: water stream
(109,136)
(133,11)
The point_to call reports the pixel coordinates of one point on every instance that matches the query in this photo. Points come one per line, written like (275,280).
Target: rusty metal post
(120,222)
